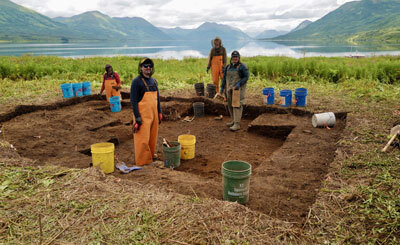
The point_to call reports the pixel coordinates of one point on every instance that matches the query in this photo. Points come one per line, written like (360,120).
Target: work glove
(208,68)
(137,125)
(237,86)
(160,117)
(136,128)
(116,87)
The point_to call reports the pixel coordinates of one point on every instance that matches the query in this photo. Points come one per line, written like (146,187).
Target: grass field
(359,201)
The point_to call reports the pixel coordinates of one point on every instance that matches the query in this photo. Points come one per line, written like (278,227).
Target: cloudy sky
(248,15)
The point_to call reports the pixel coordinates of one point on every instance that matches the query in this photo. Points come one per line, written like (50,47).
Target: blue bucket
(286,97)
(77,88)
(300,96)
(67,90)
(115,103)
(86,88)
(269,96)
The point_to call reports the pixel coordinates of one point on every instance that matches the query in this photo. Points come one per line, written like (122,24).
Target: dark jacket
(243,73)
(137,92)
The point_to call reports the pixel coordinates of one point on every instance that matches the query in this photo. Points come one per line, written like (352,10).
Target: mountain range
(358,21)
(18,23)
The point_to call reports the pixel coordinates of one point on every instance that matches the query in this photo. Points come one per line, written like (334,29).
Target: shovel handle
(388,143)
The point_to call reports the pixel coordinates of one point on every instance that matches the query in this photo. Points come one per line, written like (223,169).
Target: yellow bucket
(103,156)
(187,142)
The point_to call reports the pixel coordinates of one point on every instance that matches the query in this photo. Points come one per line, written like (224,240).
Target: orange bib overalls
(216,69)
(110,91)
(145,139)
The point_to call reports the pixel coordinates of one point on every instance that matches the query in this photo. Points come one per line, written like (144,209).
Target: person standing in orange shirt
(217,61)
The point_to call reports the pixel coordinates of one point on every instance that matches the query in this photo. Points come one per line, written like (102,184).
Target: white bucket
(324,119)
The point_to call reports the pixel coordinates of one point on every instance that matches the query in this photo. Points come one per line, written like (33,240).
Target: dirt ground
(289,157)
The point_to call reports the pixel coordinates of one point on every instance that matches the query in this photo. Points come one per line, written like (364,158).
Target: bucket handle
(326,125)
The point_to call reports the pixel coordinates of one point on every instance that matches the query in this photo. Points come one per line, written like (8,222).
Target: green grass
(29,76)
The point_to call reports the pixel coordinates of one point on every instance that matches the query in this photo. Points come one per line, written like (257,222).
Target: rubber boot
(229,124)
(230,109)
(235,127)
(237,116)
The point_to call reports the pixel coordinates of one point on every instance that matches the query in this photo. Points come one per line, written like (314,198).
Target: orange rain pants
(216,69)
(110,91)
(145,139)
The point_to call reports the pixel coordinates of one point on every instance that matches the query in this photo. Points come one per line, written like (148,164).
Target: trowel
(394,132)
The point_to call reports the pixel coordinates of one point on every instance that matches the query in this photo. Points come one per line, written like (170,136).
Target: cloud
(252,15)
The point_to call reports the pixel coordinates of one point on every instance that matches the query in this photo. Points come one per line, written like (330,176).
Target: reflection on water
(200,49)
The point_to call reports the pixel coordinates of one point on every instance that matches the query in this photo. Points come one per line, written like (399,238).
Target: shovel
(394,131)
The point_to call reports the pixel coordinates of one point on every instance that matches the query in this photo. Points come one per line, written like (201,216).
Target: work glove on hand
(208,68)
(116,87)
(160,117)
(237,86)
(137,125)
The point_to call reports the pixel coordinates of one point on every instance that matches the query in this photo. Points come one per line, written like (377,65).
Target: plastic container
(188,143)
(268,96)
(86,88)
(211,90)
(300,96)
(198,109)
(77,89)
(103,156)
(172,155)
(115,103)
(326,119)
(67,90)
(286,97)
(199,88)
(236,181)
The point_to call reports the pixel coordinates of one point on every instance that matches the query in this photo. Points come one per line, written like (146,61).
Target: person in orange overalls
(145,100)
(111,83)
(217,61)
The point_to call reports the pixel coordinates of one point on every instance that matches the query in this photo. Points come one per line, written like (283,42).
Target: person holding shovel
(217,60)
(234,84)
(111,83)
(145,100)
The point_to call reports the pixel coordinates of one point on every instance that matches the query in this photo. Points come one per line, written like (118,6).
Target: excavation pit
(289,157)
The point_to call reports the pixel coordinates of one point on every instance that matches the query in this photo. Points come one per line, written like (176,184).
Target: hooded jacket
(217,52)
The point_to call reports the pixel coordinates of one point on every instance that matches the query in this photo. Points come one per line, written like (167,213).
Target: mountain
(207,31)
(139,28)
(270,34)
(302,25)
(102,27)
(359,21)
(94,24)
(18,23)
(177,32)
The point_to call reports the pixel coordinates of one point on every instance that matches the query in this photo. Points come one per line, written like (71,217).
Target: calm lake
(182,49)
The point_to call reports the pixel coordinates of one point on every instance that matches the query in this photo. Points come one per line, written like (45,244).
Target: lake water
(182,49)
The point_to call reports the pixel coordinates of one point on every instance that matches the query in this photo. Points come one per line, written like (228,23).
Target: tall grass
(384,69)
(173,72)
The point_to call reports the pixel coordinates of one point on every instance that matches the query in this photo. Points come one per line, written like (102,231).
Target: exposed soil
(289,157)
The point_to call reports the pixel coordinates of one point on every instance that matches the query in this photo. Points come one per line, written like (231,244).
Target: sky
(251,16)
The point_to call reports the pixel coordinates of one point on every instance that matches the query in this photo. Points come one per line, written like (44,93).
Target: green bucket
(172,155)
(236,181)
